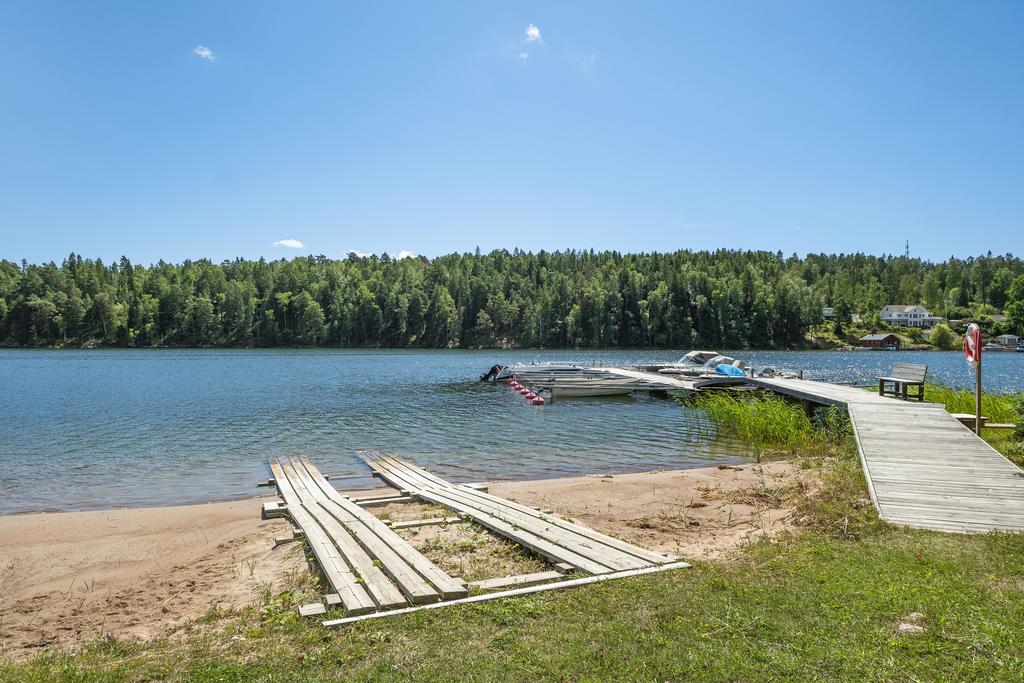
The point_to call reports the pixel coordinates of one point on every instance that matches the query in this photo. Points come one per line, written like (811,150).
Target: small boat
(993,347)
(1020,347)
(720,383)
(692,360)
(695,364)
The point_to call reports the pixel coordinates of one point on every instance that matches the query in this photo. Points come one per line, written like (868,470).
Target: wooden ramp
(373,572)
(547,535)
(923,467)
(368,565)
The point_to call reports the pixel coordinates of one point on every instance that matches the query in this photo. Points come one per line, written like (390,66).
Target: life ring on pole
(972,345)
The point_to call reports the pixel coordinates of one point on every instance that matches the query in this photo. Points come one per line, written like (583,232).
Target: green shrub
(943,337)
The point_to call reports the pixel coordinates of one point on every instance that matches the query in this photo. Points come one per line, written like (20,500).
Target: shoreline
(144,573)
(156,506)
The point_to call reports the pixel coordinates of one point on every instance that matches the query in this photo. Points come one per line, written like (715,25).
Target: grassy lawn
(814,607)
(822,604)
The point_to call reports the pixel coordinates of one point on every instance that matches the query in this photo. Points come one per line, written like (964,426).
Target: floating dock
(923,467)
(372,571)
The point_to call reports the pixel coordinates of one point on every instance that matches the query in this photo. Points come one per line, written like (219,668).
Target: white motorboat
(696,364)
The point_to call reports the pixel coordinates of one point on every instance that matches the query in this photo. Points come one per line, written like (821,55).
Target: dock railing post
(977,399)
(972,352)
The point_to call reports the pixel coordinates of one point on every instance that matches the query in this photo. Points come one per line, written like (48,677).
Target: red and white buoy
(538,401)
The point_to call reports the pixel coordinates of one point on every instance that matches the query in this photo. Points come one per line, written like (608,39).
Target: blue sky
(191,130)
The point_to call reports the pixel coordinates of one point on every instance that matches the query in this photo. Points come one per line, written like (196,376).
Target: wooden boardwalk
(367,564)
(548,535)
(923,467)
(373,572)
(655,380)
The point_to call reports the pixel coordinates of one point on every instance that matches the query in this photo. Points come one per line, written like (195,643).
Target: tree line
(684,299)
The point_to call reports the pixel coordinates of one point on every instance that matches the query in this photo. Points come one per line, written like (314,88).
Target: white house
(1008,339)
(908,316)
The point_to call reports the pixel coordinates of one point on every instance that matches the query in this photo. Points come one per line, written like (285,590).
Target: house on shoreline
(908,315)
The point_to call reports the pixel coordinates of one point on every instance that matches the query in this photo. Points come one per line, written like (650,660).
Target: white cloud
(204,53)
(523,56)
(405,253)
(360,254)
(533,34)
(291,244)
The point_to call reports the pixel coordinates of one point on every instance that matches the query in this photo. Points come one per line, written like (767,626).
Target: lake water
(111,428)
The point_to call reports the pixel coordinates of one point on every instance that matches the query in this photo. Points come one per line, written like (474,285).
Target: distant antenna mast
(907,251)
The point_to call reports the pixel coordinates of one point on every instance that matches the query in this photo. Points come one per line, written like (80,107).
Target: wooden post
(808,408)
(977,399)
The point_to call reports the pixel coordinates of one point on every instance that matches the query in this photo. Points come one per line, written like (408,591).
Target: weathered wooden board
(520,580)
(541,525)
(559,540)
(540,545)
(353,595)
(377,563)
(447,587)
(547,517)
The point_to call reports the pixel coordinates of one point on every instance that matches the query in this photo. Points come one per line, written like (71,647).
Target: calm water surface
(109,428)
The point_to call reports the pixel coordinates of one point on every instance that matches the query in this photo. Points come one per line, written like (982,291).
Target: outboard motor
(490,374)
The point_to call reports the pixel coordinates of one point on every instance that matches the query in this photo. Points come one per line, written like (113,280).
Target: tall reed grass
(996,407)
(773,422)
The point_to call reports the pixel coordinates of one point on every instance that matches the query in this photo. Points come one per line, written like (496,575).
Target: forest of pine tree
(722,299)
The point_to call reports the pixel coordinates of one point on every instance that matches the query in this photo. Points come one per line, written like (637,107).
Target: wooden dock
(368,565)
(548,535)
(373,571)
(650,380)
(923,467)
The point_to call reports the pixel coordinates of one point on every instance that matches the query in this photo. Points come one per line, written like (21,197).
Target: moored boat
(695,364)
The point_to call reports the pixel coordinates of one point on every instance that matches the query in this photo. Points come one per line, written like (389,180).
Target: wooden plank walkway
(367,564)
(374,572)
(923,467)
(559,540)
(656,380)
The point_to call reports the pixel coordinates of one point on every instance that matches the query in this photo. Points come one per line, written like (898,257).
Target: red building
(886,340)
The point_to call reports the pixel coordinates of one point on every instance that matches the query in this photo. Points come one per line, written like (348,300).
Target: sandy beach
(142,573)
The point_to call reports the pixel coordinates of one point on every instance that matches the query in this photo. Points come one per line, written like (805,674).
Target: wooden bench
(901,378)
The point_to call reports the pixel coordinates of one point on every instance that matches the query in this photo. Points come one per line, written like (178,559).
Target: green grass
(811,608)
(822,604)
(997,407)
(775,423)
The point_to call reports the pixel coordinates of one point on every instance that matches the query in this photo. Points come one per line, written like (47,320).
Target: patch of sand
(134,574)
(140,573)
(695,514)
